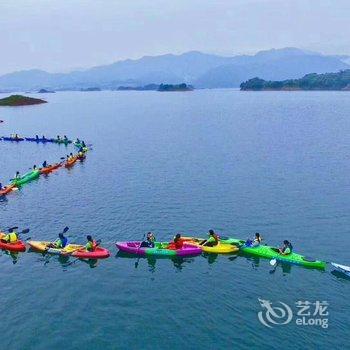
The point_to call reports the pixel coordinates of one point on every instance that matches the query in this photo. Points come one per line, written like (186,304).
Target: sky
(61,35)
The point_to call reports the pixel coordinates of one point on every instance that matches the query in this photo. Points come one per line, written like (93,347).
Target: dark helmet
(89,238)
(211,232)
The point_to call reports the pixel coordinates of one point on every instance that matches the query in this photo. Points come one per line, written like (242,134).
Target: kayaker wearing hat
(286,249)
(11,237)
(60,242)
(212,241)
(91,245)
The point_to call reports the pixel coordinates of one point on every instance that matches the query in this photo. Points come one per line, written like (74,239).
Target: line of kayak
(191,247)
(17,138)
(19,181)
(77,143)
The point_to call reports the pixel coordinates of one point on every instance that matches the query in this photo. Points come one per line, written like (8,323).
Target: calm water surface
(277,163)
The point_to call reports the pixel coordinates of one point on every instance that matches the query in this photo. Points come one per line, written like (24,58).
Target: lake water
(238,162)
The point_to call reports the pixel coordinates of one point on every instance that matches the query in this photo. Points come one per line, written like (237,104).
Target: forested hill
(327,81)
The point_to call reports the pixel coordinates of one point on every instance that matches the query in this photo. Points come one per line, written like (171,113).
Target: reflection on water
(178,262)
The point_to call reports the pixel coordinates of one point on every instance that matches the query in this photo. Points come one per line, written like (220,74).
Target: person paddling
(60,242)
(212,241)
(257,240)
(150,239)
(91,244)
(45,164)
(17,176)
(177,243)
(11,237)
(37,137)
(286,249)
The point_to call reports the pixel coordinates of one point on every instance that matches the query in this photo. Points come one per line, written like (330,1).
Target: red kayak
(19,246)
(50,168)
(7,190)
(98,253)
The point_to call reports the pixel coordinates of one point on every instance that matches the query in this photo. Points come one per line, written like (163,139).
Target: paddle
(138,259)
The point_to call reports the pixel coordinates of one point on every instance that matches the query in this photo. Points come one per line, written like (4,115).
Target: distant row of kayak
(18,181)
(60,140)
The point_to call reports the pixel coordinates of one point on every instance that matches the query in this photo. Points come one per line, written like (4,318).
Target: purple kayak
(160,249)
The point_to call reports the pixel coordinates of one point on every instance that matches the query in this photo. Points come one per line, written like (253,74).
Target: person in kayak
(91,245)
(65,138)
(212,241)
(58,138)
(37,137)
(60,242)
(150,239)
(177,243)
(34,167)
(17,176)
(44,138)
(83,144)
(45,164)
(11,237)
(257,240)
(286,249)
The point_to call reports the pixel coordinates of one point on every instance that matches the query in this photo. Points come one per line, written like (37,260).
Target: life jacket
(11,237)
(91,246)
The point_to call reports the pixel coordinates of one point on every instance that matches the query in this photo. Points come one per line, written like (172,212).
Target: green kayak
(26,178)
(267,252)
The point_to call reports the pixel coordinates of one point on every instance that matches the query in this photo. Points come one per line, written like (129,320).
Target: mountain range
(198,69)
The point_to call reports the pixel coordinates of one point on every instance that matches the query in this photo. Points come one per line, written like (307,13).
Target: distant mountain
(196,68)
(281,64)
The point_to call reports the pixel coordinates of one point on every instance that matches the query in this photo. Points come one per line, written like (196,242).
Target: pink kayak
(160,249)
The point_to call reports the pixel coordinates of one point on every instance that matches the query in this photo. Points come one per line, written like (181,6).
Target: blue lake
(277,163)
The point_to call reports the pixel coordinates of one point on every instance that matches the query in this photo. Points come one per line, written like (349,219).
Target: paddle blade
(13,228)
(65,229)
(273,262)
(25,231)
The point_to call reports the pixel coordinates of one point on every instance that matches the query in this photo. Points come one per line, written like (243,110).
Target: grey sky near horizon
(62,35)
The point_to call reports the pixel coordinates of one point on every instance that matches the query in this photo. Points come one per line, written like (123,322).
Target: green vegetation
(327,81)
(177,87)
(19,100)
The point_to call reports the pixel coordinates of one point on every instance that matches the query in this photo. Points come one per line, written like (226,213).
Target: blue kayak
(13,139)
(33,139)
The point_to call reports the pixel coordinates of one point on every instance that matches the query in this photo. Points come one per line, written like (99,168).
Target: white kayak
(342,268)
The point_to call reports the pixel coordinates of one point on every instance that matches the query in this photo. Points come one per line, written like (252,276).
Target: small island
(157,87)
(44,91)
(90,89)
(328,81)
(19,100)
(177,87)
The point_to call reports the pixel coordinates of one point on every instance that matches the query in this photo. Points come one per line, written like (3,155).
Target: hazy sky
(59,35)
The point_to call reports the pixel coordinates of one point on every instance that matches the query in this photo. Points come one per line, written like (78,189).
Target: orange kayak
(71,162)
(7,190)
(50,168)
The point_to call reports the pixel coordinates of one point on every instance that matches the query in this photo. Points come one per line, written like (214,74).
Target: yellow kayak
(43,247)
(220,248)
